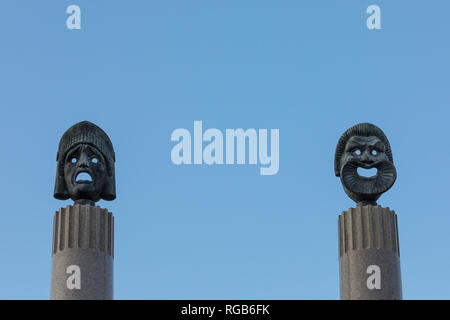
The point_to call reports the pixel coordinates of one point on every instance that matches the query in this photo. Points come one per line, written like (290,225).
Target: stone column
(369,255)
(83,252)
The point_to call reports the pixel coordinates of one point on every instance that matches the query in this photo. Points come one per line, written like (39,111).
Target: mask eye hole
(357,152)
(374,152)
(73,160)
(94,160)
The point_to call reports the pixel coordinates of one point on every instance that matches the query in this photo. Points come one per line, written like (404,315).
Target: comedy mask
(364,146)
(85,169)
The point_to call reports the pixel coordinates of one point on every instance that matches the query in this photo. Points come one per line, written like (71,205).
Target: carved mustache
(367,188)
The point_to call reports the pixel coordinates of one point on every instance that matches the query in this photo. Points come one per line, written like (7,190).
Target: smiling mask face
(366,153)
(365,147)
(84,172)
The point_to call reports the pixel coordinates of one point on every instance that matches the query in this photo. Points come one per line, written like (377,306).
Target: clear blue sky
(140,69)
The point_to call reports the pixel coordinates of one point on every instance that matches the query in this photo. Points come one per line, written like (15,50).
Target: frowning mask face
(366,153)
(84,172)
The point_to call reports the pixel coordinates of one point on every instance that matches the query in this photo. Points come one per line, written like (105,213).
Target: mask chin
(84,193)
(367,189)
(83,187)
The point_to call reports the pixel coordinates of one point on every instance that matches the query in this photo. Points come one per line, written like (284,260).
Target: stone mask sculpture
(364,146)
(85,165)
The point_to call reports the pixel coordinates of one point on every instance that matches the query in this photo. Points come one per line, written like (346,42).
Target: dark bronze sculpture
(85,150)
(364,146)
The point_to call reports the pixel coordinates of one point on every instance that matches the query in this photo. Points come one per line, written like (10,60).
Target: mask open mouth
(367,173)
(83,177)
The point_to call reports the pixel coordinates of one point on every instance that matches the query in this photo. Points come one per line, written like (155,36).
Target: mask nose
(84,160)
(366,157)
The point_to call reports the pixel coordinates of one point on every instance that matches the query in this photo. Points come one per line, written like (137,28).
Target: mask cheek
(99,178)
(344,160)
(68,176)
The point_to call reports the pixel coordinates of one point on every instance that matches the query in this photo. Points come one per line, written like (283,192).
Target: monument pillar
(83,253)
(369,255)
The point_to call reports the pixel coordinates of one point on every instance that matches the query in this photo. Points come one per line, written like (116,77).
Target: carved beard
(364,189)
